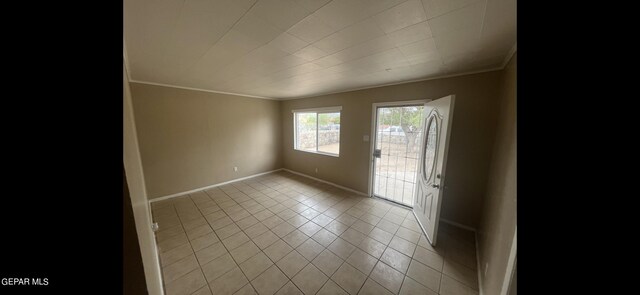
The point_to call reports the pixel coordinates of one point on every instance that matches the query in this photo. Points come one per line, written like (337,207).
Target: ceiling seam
(284,32)
(216,42)
(341,50)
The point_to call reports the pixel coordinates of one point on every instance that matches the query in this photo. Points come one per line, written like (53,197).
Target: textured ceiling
(298,48)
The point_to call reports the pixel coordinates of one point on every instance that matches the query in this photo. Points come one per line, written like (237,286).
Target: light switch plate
(365,138)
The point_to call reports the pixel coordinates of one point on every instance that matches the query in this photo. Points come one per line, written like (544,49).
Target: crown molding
(399,83)
(501,67)
(200,89)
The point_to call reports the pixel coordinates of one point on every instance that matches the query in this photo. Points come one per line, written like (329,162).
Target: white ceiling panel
(350,36)
(311,5)
(435,8)
(311,29)
(411,34)
(310,53)
(281,13)
(370,47)
(288,43)
(339,14)
(467,18)
(299,48)
(401,16)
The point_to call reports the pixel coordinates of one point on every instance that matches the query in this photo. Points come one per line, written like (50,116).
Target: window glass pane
(329,133)
(306,132)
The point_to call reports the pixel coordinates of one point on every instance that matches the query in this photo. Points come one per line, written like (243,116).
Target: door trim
(508,274)
(372,138)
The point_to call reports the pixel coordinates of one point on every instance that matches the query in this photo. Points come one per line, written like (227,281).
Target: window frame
(317,111)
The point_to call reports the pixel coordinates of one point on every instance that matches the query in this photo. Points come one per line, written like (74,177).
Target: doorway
(396,139)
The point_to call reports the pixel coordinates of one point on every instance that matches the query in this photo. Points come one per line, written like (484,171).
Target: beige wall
(192,139)
(498,222)
(471,140)
(139,202)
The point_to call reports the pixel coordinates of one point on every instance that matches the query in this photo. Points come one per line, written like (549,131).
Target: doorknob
(435,185)
(377,153)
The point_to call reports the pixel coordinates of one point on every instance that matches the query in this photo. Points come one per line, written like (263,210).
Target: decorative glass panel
(430,147)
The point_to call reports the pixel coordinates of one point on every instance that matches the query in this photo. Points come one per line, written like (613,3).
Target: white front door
(433,161)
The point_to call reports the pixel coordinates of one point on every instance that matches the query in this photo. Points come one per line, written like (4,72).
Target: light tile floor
(281,233)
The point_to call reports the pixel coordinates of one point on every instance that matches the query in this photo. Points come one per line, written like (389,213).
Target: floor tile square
(179,268)
(336,227)
(331,288)
(403,246)
(235,240)
(372,247)
(324,237)
(186,284)
(283,229)
(270,281)
(327,262)
(228,283)
(292,263)
(278,250)
(349,278)
(410,286)
(310,249)
(255,265)
(217,267)
(244,252)
(289,289)
(396,259)
(341,248)
(387,277)
(310,279)
(371,287)
(228,231)
(266,239)
(295,238)
(204,241)
(210,253)
(309,228)
(424,275)
(362,261)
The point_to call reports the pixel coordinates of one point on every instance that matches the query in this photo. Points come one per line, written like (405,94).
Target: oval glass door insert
(430,147)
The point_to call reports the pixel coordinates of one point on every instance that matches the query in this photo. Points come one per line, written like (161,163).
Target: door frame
(372,139)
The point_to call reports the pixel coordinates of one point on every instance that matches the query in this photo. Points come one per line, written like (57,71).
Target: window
(317,130)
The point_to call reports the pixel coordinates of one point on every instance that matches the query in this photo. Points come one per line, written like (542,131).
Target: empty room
(320,147)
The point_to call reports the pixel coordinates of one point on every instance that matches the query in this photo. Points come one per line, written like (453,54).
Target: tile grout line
(225,246)
(192,251)
(309,193)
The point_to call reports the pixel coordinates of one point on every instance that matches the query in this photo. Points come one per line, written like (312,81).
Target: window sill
(319,153)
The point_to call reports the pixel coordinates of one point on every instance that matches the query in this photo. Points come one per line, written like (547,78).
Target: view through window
(318,131)
(399,135)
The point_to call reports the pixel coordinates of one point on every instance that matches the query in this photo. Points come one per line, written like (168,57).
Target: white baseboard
(457,224)
(210,186)
(327,182)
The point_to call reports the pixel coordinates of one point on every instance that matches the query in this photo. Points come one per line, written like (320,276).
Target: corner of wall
(138,194)
(494,236)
